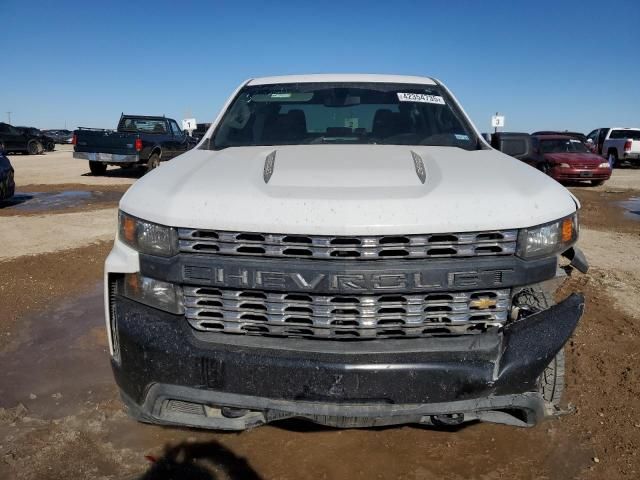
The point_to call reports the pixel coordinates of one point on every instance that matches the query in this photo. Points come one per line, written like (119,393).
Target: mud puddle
(62,360)
(632,208)
(43,202)
(609,210)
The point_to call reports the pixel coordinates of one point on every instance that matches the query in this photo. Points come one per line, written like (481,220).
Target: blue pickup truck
(138,140)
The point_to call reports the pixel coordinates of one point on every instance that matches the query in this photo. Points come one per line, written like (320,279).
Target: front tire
(97,168)
(34,147)
(613,158)
(153,162)
(551,382)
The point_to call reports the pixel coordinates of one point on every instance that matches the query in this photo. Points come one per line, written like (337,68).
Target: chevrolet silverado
(345,249)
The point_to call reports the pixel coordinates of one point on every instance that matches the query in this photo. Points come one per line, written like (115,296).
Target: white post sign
(497,121)
(189,124)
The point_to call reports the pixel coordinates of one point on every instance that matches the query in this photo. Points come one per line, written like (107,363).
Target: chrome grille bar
(340,247)
(358,316)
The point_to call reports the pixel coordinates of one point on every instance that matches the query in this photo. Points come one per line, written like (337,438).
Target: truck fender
(156,149)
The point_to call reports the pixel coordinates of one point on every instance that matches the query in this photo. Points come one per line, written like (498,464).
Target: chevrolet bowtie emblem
(483,303)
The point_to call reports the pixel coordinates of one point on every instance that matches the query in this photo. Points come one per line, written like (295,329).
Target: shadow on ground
(129,172)
(199,461)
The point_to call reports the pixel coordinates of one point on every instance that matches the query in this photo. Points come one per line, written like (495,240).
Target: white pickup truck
(345,249)
(616,144)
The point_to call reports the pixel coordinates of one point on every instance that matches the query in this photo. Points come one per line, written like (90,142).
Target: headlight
(548,239)
(604,165)
(563,165)
(154,293)
(147,237)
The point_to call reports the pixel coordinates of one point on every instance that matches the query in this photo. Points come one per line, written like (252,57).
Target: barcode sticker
(420,97)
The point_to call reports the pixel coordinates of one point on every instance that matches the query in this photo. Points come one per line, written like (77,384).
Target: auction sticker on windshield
(420,97)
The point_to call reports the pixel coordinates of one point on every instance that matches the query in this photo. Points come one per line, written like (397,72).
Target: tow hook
(448,419)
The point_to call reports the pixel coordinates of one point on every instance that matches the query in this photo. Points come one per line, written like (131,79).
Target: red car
(568,159)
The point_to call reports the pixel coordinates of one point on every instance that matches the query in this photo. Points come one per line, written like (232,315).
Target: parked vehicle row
(562,157)
(138,140)
(60,136)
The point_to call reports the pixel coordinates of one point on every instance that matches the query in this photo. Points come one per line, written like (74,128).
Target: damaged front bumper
(171,374)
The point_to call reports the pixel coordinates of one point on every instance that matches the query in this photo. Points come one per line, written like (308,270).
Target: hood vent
(419,165)
(269,164)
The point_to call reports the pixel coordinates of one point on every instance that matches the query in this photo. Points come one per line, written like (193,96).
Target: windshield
(343,113)
(142,125)
(563,146)
(626,134)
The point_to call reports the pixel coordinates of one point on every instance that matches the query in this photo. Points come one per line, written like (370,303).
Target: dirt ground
(60,416)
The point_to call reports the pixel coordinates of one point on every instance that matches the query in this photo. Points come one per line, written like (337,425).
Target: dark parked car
(516,144)
(16,140)
(138,140)
(200,131)
(577,135)
(565,158)
(47,141)
(7,184)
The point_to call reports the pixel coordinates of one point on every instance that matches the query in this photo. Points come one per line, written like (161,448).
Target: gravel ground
(60,416)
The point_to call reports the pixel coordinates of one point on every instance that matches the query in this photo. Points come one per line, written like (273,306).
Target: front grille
(584,166)
(344,316)
(340,247)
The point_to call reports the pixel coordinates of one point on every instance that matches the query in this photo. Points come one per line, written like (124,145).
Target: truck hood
(573,158)
(347,190)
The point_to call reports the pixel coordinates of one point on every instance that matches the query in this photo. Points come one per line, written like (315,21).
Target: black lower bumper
(171,374)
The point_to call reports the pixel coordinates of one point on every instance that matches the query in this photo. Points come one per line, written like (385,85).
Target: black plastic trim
(160,352)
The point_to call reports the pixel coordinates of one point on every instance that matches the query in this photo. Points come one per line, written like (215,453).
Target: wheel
(50,147)
(597,183)
(153,162)
(613,158)
(34,147)
(545,168)
(551,382)
(97,168)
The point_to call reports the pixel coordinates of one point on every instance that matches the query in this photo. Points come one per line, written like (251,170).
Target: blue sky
(558,65)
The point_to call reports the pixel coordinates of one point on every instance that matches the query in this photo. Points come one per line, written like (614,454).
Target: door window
(603,134)
(175,128)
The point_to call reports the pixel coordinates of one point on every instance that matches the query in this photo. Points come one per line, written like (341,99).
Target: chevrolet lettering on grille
(252,278)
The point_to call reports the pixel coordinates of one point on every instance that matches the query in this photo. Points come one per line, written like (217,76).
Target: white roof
(341,77)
